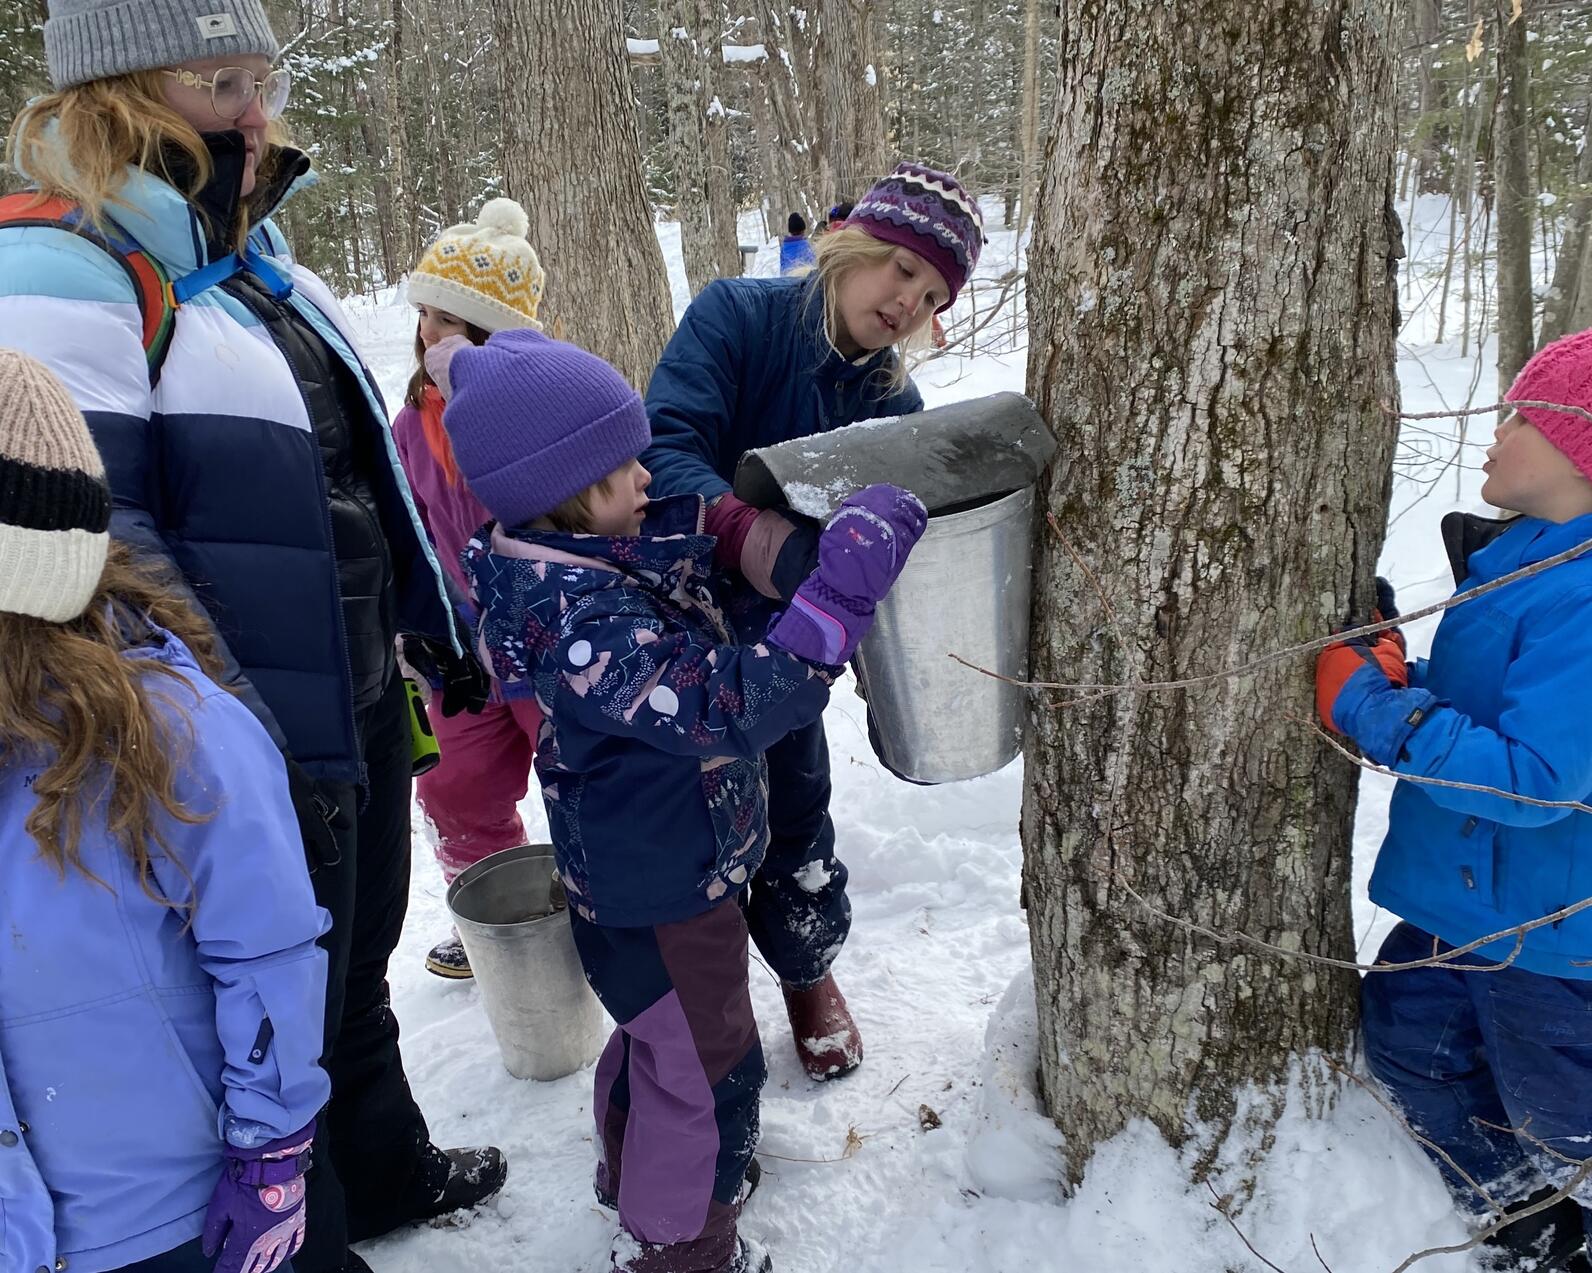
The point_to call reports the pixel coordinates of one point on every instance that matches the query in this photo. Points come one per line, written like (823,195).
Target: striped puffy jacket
(217,469)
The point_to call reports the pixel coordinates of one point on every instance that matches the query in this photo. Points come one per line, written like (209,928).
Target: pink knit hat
(1561,373)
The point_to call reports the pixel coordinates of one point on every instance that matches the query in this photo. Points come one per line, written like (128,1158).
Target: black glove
(459,678)
(319,819)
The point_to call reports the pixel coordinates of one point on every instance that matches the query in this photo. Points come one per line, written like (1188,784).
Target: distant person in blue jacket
(757,361)
(1493,1064)
(600,604)
(161,990)
(795,248)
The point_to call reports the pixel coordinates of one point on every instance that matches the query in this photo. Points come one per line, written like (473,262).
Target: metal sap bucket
(547,1021)
(965,591)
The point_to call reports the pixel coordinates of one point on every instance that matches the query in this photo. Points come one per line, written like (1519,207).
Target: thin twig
(1493,1204)
(1319,1257)
(1307,647)
(1497,406)
(1444,960)
(1498,1226)
(1220,1207)
(1420,780)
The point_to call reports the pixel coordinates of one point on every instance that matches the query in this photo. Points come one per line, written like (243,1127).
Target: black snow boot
(1552,1241)
(468,1177)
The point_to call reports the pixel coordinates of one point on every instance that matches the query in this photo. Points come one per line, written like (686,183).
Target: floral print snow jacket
(650,756)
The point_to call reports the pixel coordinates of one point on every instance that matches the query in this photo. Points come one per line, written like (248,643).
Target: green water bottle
(425,754)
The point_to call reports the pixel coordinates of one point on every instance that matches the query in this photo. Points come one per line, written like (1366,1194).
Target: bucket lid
(955,455)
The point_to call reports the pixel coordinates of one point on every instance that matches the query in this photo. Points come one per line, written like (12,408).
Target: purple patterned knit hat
(533,421)
(929,213)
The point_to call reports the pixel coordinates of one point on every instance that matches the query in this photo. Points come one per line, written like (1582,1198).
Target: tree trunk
(1212,309)
(790,102)
(1031,156)
(572,156)
(1569,307)
(1512,155)
(713,92)
(683,72)
(848,101)
(404,192)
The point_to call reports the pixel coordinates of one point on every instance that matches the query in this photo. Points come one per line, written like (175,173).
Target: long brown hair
(69,696)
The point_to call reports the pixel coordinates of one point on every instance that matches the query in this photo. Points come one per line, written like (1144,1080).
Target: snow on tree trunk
(572,155)
(1512,151)
(1212,309)
(848,103)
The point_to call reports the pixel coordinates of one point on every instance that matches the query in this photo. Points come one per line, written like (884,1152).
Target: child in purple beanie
(598,603)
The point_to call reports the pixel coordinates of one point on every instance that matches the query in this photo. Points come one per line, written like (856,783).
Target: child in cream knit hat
(477,278)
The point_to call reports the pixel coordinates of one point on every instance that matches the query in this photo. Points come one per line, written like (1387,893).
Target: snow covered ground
(937,972)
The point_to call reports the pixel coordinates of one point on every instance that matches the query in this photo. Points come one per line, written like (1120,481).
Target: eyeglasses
(234,88)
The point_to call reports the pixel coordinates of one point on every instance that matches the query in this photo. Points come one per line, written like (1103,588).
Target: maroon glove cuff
(730,519)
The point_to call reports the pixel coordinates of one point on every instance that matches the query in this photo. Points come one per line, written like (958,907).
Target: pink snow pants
(471,796)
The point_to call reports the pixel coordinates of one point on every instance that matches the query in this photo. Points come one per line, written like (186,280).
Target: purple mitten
(256,1214)
(860,554)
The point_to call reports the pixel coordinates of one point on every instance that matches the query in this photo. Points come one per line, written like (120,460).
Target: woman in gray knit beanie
(248,453)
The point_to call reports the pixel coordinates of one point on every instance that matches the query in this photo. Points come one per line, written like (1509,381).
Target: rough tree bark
(790,101)
(848,104)
(1212,310)
(572,155)
(1516,197)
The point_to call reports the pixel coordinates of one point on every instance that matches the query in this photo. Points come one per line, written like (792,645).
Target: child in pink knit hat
(1489,1056)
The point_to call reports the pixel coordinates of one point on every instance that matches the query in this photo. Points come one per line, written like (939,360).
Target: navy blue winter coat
(747,367)
(651,751)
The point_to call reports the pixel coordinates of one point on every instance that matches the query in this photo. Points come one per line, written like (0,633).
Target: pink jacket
(450,512)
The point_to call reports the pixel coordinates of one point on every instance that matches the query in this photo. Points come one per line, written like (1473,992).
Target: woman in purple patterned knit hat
(757,361)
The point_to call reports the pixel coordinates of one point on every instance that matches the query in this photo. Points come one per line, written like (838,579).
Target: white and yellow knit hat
(484,272)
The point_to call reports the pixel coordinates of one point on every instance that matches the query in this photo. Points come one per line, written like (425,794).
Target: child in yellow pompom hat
(477,278)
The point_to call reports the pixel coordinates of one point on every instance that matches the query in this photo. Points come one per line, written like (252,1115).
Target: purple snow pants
(677,1085)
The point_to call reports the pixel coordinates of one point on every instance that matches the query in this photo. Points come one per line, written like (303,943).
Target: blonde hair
(69,694)
(105,126)
(839,253)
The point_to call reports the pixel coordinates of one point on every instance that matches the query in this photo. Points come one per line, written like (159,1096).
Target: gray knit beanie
(89,40)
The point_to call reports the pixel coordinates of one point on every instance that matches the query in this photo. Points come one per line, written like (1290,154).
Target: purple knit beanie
(533,421)
(929,213)
(1560,373)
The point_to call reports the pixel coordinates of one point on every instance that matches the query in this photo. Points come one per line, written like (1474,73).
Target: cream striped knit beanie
(55,504)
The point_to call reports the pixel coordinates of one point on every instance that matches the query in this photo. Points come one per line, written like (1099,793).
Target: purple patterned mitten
(860,555)
(256,1215)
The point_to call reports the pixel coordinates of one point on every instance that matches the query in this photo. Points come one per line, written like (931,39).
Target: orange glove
(1342,659)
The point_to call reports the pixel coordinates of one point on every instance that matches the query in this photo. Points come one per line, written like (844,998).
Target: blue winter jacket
(125,1038)
(747,367)
(1513,675)
(650,756)
(217,470)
